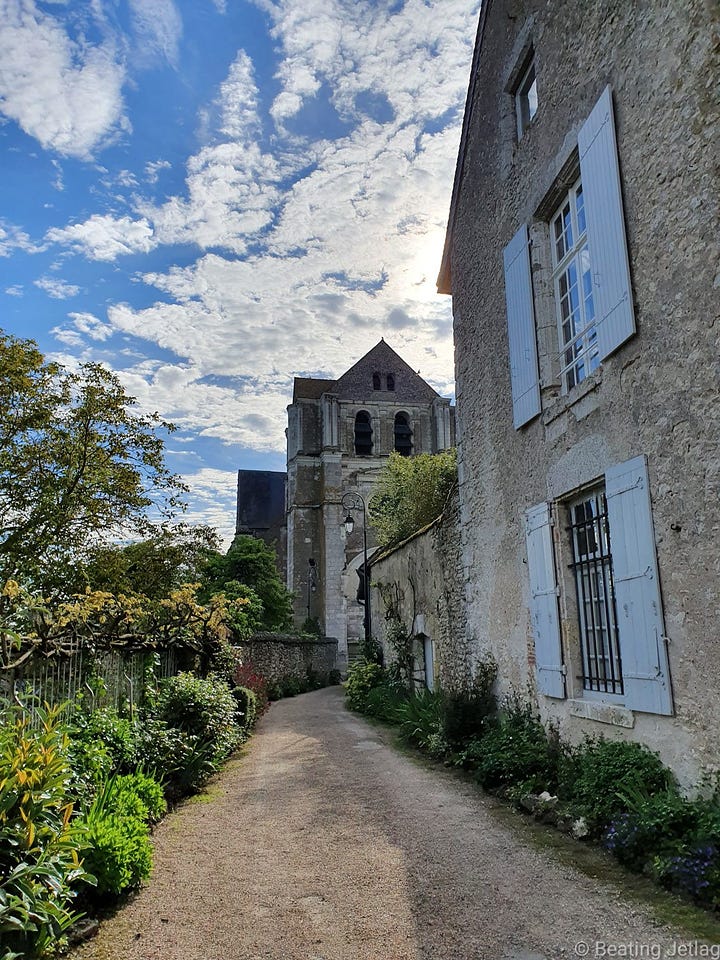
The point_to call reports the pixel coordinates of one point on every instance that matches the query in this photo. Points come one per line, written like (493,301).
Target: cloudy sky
(214,196)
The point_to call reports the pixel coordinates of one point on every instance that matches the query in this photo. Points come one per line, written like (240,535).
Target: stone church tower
(340,433)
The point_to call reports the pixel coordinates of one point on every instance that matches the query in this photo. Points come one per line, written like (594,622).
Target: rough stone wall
(657,395)
(276,655)
(423,578)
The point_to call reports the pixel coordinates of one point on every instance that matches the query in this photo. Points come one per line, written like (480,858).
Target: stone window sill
(563,402)
(612,713)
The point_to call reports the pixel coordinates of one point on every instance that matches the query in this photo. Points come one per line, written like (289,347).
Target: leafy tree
(76,461)
(155,566)
(410,493)
(251,563)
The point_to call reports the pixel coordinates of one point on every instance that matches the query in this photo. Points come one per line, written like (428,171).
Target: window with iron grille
(592,567)
(572,276)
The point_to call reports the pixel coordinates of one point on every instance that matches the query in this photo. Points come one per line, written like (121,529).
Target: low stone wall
(278,655)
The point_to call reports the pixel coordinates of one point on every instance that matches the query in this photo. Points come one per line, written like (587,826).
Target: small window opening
(403,435)
(376,381)
(363,434)
(390,382)
(526,97)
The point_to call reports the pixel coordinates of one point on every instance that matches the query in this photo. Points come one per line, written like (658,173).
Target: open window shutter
(600,173)
(521,329)
(637,589)
(544,602)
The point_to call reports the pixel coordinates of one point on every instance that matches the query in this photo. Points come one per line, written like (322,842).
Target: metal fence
(114,678)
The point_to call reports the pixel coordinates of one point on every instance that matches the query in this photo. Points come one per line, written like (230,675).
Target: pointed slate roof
(357,382)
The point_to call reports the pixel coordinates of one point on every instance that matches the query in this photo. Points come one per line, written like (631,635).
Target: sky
(211,197)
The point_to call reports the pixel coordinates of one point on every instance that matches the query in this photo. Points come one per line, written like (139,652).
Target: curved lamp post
(350,502)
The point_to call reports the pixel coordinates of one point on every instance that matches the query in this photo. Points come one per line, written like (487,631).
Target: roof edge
(444,280)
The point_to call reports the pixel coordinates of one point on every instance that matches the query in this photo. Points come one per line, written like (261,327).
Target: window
(390,382)
(572,277)
(614,576)
(594,299)
(376,381)
(595,592)
(403,435)
(363,434)
(526,97)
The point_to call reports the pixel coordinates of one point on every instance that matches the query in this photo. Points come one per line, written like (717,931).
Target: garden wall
(277,656)
(419,583)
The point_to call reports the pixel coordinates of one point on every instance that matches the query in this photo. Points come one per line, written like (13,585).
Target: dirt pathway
(324,843)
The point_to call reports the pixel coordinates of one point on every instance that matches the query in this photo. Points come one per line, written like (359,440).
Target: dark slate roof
(308,388)
(357,382)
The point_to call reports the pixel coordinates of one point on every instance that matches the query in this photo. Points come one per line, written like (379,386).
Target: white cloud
(158,28)
(57,288)
(13,238)
(104,237)
(65,93)
(335,242)
(16,290)
(153,168)
(213,497)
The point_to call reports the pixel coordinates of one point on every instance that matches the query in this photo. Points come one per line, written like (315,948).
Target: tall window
(376,381)
(572,277)
(592,566)
(526,97)
(363,434)
(403,435)
(390,382)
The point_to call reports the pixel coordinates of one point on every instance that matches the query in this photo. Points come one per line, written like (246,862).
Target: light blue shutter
(521,330)
(600,173)
(544,602)
(637,589)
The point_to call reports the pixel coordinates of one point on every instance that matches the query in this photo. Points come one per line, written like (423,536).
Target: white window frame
(571,256)
(526,102)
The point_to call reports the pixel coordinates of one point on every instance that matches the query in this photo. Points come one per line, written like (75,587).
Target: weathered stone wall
(658,394)
(423,579)
(276,655)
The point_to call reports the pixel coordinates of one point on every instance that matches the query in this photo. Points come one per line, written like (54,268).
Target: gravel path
(324,843)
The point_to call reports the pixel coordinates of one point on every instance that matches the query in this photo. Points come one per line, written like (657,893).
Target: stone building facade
(340,434)
(582,259)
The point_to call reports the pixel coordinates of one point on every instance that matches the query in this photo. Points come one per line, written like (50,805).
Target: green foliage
(205,709)
(383,702)
(410,493)
(247,704)
(419,718)
(119,852)
(251,563)
(180,760)
(362,676)
(139,788)
(76,462)
(515,751)
(654,826)
(595,775)
(171,556)
(39,863)
(466,714)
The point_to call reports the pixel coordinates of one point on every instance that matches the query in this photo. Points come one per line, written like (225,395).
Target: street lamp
(350,502)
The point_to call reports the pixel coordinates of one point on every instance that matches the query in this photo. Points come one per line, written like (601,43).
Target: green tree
(251,563)
(410,493)
(169,557)
(77,462)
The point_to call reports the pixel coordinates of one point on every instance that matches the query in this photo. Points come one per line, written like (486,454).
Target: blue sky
(214,196)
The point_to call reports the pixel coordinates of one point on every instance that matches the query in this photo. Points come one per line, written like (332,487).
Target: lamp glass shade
(349,524)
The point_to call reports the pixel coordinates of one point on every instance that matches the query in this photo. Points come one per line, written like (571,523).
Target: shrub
(384,701)
(419,719)
(653,827)
(147,791)
(246,675)
(362,676)
(39,863)
(203,708)
(465,714)
(247,704)
(181,761)
(692,871)
(119,853)
(516,752)
(595,775)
